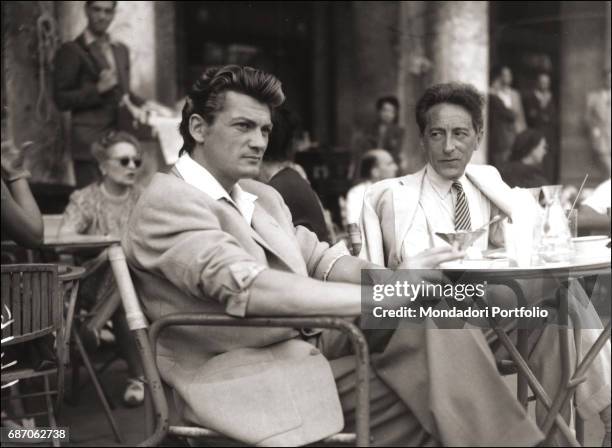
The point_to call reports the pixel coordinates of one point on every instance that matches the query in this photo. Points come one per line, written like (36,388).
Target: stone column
(376,36)
(413,73)
(166,52)
(459,46)
(608,33)
(134,25)
(460,42)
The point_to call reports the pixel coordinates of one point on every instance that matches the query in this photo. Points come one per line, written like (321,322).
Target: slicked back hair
(207,95)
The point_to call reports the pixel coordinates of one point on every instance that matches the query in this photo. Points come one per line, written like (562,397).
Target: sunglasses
(125,161)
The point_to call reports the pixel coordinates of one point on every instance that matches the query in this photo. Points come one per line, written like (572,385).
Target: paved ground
(89,427)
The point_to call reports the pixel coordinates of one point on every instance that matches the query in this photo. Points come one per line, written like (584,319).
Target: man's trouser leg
(449,383)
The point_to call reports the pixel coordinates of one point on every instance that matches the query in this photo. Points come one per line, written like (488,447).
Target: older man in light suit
(401,216)
(205,238)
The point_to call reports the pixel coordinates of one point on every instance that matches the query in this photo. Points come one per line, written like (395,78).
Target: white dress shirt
(199,177)
(436,212)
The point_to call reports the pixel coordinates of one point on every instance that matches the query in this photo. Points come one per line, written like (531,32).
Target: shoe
(134,392)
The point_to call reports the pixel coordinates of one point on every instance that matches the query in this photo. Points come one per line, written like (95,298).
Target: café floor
(89,427)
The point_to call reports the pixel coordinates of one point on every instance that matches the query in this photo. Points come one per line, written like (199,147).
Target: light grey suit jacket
(190,253)
(389,208)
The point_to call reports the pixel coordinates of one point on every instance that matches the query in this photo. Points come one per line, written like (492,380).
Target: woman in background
(103,208)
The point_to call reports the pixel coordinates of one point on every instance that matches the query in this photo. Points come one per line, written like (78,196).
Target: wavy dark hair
(207,95)
(459,94)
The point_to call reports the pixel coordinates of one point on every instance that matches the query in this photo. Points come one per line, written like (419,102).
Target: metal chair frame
(146,339)
(70,286)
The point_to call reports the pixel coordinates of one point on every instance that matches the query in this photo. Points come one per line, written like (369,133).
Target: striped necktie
(463,220)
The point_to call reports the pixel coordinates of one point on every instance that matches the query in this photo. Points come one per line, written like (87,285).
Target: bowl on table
(591,246)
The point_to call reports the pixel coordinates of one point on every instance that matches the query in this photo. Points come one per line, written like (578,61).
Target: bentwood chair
(146,339)
(32,310)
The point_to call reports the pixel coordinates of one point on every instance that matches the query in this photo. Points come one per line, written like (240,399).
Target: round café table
(498,271)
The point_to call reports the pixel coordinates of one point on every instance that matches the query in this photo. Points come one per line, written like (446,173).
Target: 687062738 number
(34,435)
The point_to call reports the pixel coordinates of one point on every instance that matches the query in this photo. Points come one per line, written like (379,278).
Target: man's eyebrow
(250,121)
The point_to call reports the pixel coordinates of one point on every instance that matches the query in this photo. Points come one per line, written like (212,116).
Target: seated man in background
(401,217)
(205,238)
(288,178)
(376,164)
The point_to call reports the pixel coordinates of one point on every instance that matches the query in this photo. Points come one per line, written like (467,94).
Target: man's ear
(198,128)
(479,137)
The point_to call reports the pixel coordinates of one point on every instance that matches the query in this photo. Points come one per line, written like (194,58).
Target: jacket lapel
(121,66)
(497,191)
(94,60)
(406,197)
(269,235)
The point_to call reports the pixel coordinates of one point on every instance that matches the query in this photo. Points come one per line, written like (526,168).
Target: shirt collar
(199,177)
(441,185)
(90,38)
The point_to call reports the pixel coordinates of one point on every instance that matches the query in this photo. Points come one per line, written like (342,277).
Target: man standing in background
(506,117)
(92,80)
(541,115)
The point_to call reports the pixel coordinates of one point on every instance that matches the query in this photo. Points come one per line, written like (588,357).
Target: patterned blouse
(93,211)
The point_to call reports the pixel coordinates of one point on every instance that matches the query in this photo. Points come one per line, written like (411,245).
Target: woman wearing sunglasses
(103,208)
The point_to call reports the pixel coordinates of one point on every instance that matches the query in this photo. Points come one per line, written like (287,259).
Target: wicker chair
(147,338)
(31,297)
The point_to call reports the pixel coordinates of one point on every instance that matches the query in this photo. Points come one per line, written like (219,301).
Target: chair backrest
(31,297)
